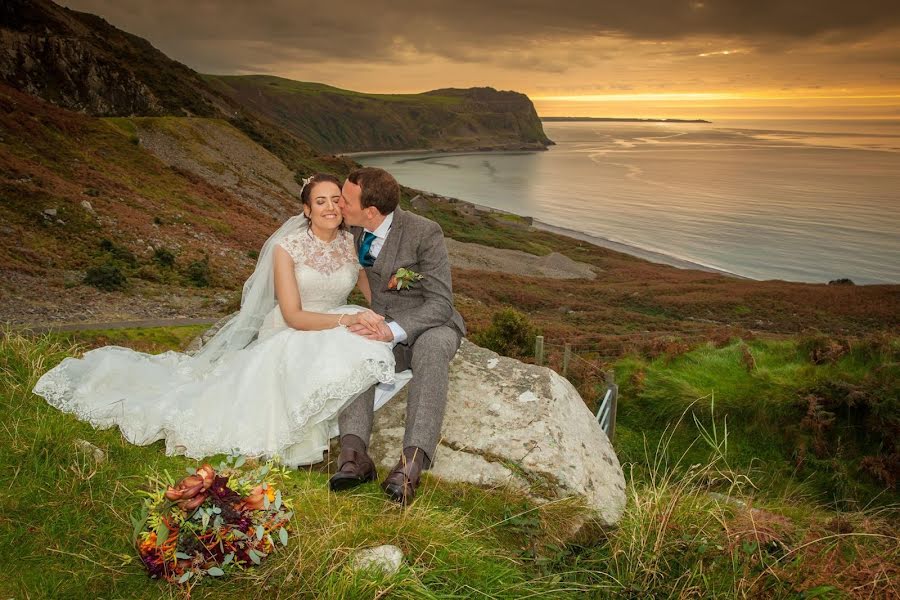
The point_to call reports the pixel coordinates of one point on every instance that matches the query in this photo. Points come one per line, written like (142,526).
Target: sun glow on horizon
(776,104)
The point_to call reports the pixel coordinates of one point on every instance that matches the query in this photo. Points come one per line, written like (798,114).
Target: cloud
(471,30)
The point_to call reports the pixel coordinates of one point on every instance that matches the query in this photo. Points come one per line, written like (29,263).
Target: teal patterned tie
(366,259)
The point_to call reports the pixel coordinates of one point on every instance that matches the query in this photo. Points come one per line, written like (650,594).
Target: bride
(273,380)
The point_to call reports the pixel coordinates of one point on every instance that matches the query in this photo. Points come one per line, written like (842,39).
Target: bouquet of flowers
(210,522)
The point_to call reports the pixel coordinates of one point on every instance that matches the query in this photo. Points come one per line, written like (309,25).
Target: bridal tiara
(306,181)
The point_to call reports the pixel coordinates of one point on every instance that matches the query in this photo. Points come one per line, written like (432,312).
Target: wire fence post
(539,350)
(611,382)
(567,355)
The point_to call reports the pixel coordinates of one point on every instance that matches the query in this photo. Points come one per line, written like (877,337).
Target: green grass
(149,339)
(765,404)
(65,519)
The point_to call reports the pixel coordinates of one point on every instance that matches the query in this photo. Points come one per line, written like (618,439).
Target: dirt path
(116,325)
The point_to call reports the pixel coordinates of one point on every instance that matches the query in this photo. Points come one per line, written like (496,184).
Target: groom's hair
(379,188)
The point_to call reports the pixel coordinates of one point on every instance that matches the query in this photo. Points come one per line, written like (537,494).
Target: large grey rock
(513,424)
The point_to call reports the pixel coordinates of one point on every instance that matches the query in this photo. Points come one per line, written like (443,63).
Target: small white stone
(50,212)
(93,451)
(387,559)
(87,206)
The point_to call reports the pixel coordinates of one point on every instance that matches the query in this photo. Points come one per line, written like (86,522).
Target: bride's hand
(369,319)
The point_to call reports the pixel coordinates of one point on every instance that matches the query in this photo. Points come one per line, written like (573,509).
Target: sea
(800,200)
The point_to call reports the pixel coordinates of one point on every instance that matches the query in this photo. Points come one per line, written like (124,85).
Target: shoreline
(636,251)
(457,151)
(595,240)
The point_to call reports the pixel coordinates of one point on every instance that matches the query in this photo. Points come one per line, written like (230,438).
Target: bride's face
(323,210)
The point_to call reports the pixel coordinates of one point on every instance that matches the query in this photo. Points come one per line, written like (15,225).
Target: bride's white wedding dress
(280,395)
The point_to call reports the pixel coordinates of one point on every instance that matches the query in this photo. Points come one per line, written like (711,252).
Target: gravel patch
(516,262)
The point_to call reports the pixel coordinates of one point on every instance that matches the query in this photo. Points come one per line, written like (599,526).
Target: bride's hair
(309,184)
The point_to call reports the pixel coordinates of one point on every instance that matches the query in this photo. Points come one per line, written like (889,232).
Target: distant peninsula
(623,120)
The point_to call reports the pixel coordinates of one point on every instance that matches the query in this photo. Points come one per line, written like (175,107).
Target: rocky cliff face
(81,62)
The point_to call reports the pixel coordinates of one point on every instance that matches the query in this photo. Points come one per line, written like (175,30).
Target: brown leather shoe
(354,468)
(401,483)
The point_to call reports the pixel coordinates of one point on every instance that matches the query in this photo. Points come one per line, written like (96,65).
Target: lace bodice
(326,271)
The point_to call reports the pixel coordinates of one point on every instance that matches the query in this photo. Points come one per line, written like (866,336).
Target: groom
(420,322)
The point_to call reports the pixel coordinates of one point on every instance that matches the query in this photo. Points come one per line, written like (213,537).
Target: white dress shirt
(375,249)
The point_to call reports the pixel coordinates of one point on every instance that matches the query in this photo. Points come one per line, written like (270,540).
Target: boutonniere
(404,278)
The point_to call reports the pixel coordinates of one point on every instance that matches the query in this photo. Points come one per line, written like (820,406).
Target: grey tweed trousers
(429,357)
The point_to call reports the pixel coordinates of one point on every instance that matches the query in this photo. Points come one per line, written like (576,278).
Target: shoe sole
(339,484)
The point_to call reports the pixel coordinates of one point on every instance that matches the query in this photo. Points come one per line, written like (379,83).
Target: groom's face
(351,205)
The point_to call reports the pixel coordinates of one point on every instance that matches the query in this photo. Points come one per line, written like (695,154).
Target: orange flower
(392,284)
(190,492)
(208,474)
(255,500)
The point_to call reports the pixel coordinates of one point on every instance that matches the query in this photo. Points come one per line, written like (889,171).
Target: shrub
(107,277)
(198,272)
(254,254)
(164,257)
(149,273)
(510,333)
(118,253)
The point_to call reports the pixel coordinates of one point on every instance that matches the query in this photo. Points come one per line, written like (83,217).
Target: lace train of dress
(279,396)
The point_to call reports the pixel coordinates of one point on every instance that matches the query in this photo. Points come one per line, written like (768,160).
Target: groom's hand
(382,333)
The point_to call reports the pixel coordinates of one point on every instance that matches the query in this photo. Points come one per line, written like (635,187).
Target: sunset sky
(635,58)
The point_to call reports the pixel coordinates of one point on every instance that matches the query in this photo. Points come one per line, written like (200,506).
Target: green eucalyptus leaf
(253,556)
(260,532)
(278,500)
(162,534)
(228,558)
(182,556)
(215,571)
(187,575)
(283,536)
(239,462)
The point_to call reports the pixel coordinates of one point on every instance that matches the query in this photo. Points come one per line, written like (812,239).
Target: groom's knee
(436,344)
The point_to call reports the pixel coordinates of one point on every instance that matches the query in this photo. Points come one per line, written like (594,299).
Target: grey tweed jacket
(416,243)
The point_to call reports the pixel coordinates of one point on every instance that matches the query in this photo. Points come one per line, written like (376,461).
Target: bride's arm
(288,295)
(363,284)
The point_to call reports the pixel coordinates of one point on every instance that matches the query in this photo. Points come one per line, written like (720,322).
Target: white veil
(257,300)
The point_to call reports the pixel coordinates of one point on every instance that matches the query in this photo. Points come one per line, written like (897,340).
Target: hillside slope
(337,120)
(69,181)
